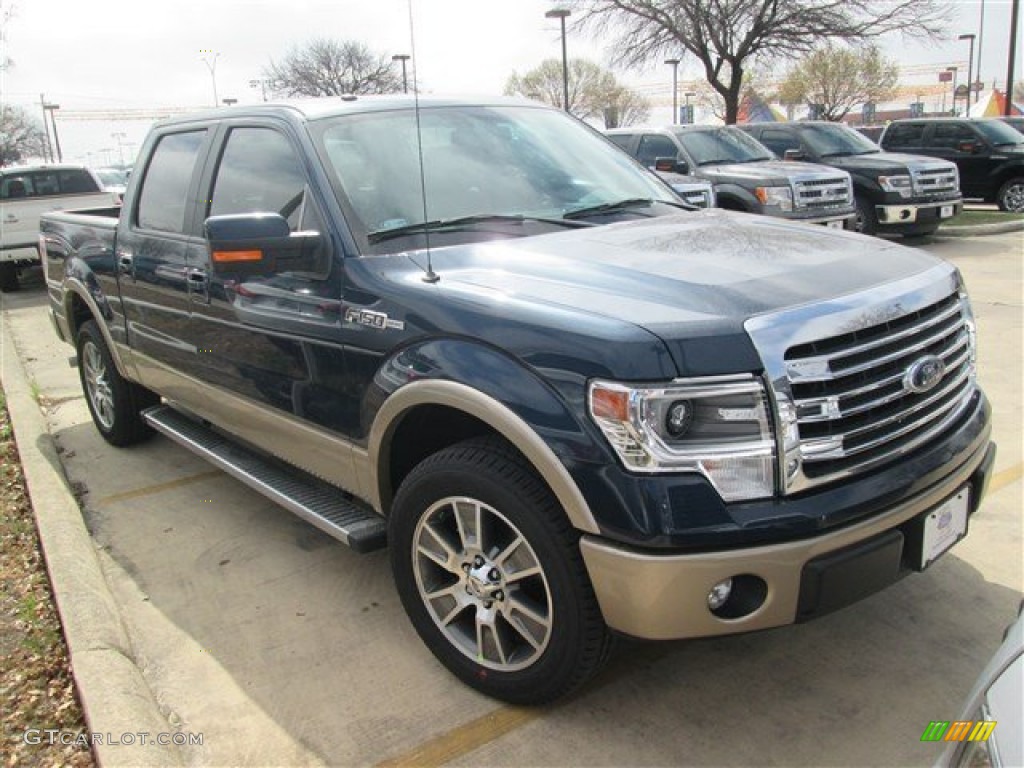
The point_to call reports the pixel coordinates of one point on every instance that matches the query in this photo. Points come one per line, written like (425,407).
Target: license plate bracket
(943,526)
(946,212)
(834,224)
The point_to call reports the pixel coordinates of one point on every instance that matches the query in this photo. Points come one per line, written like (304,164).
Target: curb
(998,228)
(115,698)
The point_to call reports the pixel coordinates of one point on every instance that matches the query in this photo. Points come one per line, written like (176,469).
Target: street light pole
(970,71)
(560,14)
(1014,20)
(211,64)
(981,39)
(403,57)
(675,89)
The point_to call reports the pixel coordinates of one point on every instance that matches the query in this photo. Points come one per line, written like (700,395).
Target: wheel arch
(450,412)
(80,305)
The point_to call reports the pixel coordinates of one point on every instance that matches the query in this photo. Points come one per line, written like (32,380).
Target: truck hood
(689,279)
(887,163)
(772,171)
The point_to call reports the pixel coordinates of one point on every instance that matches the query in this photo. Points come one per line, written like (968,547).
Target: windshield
(998,132)
(722,145)
(836,140)
(477,161)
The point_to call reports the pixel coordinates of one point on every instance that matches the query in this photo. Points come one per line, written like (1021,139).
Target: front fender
(545,421)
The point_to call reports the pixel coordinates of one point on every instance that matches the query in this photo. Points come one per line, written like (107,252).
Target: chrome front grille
(873,394)
(935,181)
(822,194)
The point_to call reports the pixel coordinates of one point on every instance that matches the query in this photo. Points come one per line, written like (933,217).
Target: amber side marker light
(224,256)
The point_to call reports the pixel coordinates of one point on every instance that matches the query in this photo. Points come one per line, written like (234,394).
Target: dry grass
(37,690)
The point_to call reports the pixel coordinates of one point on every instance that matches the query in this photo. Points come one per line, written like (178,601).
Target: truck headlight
(716,426)
(899,184)
(782,197)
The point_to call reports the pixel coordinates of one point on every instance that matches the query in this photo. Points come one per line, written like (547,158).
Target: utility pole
(48,147)
(52,109)
(1014,22)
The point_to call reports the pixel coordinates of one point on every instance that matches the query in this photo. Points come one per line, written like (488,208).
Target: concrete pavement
(231,619)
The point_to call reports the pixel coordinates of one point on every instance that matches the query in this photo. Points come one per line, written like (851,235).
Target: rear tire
(114,402)
(490,573)
(8,277)
(1011,196)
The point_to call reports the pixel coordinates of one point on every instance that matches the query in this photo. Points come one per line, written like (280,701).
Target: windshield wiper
(465,222)
(622,205)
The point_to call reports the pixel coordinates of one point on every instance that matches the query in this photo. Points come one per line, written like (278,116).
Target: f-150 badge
(371,319)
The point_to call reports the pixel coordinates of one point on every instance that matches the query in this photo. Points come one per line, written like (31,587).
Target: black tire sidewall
(553,673)
(866,213)
(1001,197)
(128,426)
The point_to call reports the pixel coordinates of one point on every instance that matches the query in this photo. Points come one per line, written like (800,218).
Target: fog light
(719,594)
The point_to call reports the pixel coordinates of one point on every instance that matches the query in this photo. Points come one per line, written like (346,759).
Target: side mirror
(671,165)
(793,154)
(259,244)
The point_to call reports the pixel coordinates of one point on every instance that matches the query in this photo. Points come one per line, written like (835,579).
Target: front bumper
(661,597)
(907,215)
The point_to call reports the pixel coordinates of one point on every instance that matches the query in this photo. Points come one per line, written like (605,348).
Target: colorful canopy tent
(991,104)
(754,109)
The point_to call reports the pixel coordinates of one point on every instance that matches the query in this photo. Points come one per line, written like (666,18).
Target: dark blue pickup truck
(570,404)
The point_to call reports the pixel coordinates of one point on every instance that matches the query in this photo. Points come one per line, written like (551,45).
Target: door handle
(198,285)
(126,264)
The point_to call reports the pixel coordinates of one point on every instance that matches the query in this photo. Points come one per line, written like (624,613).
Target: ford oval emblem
(924,374)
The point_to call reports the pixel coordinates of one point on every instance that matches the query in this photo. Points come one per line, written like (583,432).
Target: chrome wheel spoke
(498,609)
(446,557)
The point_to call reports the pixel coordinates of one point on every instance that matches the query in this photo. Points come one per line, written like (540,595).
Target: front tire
(114,402)
(866,221)
(490,573)
(1011,196)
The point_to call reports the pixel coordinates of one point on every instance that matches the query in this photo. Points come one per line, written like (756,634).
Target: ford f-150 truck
(895,193)
(745,175)
(571,405)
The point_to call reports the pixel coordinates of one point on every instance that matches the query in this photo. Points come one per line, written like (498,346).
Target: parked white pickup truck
(26,192)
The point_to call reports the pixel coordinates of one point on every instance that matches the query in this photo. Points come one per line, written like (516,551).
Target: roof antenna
(431,276)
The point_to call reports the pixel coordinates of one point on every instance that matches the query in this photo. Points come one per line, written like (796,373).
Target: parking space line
(1008,476)
(158,487)
(465,738)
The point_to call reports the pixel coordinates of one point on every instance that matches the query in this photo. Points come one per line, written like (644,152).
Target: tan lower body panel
(663,597)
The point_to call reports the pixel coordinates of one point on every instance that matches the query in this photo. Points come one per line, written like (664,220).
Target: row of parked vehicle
(831,174)
(828,174)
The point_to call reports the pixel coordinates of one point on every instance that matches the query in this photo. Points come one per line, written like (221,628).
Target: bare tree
(728,36)
(6,14)
(21,136)
(326,67)
(839,79)
(593,92)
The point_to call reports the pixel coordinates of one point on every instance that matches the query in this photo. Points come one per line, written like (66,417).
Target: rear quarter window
(65,181)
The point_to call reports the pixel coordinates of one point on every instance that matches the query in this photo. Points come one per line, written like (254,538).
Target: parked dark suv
(988,152)
(895,193)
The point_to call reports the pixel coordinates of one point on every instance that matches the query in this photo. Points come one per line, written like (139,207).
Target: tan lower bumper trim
(662,597)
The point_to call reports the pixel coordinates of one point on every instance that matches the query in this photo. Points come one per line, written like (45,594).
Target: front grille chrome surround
(822,193)
(839,376)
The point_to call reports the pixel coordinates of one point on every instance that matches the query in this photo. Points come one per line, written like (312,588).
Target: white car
(28,191)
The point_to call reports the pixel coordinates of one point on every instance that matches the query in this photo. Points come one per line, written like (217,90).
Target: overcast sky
(132,54)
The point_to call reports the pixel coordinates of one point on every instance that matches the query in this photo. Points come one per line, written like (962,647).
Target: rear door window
(164,196)
(952,135)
